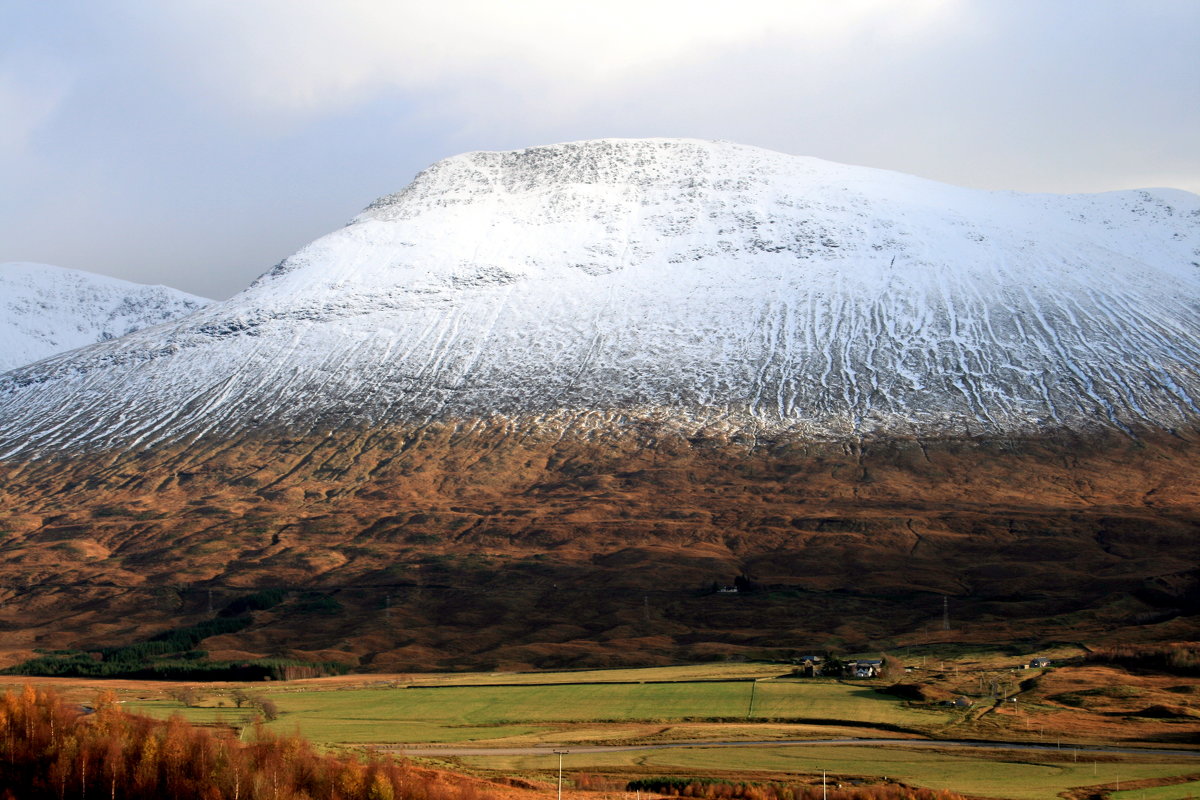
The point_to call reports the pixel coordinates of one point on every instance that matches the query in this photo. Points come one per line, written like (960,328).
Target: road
(547,750)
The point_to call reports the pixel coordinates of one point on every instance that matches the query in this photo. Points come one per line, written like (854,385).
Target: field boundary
(574,683)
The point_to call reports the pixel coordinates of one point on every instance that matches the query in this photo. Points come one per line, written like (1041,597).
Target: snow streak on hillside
(46,310)
(707,285)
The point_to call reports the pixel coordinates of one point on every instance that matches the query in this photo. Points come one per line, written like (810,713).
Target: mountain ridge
(46,310)
(705,287)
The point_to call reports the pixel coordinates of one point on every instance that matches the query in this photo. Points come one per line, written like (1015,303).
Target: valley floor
(1075,725)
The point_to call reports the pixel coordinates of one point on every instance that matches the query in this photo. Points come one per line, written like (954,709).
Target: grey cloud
(139,167)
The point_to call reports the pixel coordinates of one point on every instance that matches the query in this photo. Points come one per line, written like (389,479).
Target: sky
(196,143)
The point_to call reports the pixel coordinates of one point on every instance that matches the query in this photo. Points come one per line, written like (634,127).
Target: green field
(1180,791)
(628,708)
(689,672)
(477,713)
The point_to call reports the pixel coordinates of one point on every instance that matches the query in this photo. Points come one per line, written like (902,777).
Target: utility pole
(560,754)
(824,791)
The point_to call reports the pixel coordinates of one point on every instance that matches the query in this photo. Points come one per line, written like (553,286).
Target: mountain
(527,411)
(708,284)
(46,310)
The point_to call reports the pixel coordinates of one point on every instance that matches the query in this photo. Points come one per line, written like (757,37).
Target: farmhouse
(865,668)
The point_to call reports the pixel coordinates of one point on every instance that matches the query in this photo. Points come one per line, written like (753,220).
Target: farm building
(865,668)
(810,666)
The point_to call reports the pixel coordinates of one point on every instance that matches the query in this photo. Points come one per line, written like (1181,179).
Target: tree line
(171,655)
(1175,658)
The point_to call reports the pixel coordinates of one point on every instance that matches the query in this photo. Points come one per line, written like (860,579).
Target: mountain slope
(529,410)
(708,286)
(46,310)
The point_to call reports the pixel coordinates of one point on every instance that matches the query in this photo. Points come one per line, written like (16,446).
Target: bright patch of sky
(197,142)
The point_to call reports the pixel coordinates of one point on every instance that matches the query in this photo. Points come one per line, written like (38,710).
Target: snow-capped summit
(704,285)
(45,310)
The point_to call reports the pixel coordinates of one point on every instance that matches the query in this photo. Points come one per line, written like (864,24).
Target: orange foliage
(52,750)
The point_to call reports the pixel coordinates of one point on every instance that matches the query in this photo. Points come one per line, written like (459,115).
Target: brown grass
(447,546)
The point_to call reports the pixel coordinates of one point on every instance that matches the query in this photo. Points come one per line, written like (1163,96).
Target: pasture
(641,709)
(1177,791)
(478,713)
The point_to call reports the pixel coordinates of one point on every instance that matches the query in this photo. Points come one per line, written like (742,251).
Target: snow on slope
(45,310)
(704,284)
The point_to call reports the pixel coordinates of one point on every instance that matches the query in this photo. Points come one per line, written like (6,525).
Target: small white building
(865,668)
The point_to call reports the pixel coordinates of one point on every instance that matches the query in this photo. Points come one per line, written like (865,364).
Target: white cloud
(201,114)
(309,56)
(31,90)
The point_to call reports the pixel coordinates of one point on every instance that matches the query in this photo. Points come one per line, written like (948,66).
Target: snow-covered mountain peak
(45,310)
(711,285)
(627,164)
(568,211)
(598,190)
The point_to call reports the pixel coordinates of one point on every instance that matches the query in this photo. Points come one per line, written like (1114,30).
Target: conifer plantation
(54,750)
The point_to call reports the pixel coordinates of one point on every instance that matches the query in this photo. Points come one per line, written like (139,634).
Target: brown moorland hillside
(491,545)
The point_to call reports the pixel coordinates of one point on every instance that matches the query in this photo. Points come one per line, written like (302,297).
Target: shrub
(187,695)
(269,710)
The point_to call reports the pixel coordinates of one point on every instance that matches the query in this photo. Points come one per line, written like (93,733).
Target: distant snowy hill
(45,310)
(706,286)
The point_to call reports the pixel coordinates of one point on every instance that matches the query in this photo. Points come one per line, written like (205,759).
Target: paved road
(547,750)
